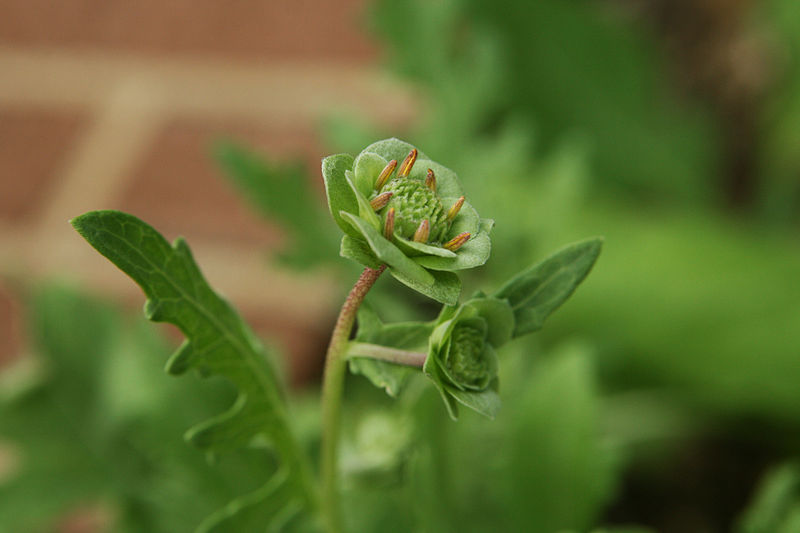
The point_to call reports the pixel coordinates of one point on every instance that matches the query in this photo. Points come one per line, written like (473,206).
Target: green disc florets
(411,209)
(413,202)
(465,360)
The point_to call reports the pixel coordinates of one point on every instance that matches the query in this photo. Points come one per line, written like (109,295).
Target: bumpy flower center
(465,359)
(413,202)
(411,209)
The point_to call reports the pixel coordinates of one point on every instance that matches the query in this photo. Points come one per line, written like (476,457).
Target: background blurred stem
(332,388)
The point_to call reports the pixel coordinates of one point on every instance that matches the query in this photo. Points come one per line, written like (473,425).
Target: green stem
(385,353)
(332,389)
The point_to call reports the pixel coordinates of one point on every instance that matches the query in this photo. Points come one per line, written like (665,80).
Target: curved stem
(385,353)
(332,388)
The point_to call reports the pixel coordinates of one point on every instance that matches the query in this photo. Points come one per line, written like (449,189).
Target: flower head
(412,216)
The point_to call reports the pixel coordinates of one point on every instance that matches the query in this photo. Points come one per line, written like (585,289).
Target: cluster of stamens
(431,228)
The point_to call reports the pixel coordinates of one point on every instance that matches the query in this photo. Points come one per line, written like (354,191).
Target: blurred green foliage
(563,68)
(780,120)
(681,351)
(776,506)
(101,424)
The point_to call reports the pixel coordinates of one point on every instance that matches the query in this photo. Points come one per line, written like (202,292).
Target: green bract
(461,353)
(399,208)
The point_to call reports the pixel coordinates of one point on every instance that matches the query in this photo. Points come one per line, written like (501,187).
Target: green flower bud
(462,361)
(412,217)
(465,360)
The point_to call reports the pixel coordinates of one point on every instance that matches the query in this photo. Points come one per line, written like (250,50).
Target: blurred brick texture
(113,104)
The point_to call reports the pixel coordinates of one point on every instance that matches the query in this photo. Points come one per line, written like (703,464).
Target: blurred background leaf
(283,193)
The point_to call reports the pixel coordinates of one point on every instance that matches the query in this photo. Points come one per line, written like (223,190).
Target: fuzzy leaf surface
(218,343)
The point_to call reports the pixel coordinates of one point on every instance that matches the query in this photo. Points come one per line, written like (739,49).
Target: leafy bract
(218,343)
(442,286)
(340,196)
(538,291)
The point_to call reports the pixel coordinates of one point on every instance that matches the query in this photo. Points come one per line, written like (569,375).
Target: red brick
(178,187)
(10,326)
(33,146)
(302,346)
(295,29)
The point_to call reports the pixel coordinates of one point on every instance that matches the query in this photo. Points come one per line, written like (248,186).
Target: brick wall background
(113,104)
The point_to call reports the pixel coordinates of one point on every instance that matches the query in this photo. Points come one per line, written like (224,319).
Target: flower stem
(332,389)
(385,353)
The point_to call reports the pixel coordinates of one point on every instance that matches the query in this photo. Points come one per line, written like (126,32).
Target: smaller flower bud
(457,242)
(383,177)
(423,232)
(451,214)
(430,180)
(465,360)
(408,164)
(380,201)
(388,226)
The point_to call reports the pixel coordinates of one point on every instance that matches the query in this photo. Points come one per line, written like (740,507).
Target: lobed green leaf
(217,342)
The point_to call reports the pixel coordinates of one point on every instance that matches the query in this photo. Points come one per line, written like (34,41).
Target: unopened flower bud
(457,242)
(453,211)
(430,180)
(408,164)
(383,177)
(388,225)
(380,201)
(465,361)
(423,231)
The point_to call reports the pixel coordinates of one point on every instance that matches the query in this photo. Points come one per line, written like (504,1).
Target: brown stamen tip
(423,232)
(380,201)
(408,163)
(388,226)
(383,177)
(430,180)
(457,242)
(451,214)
